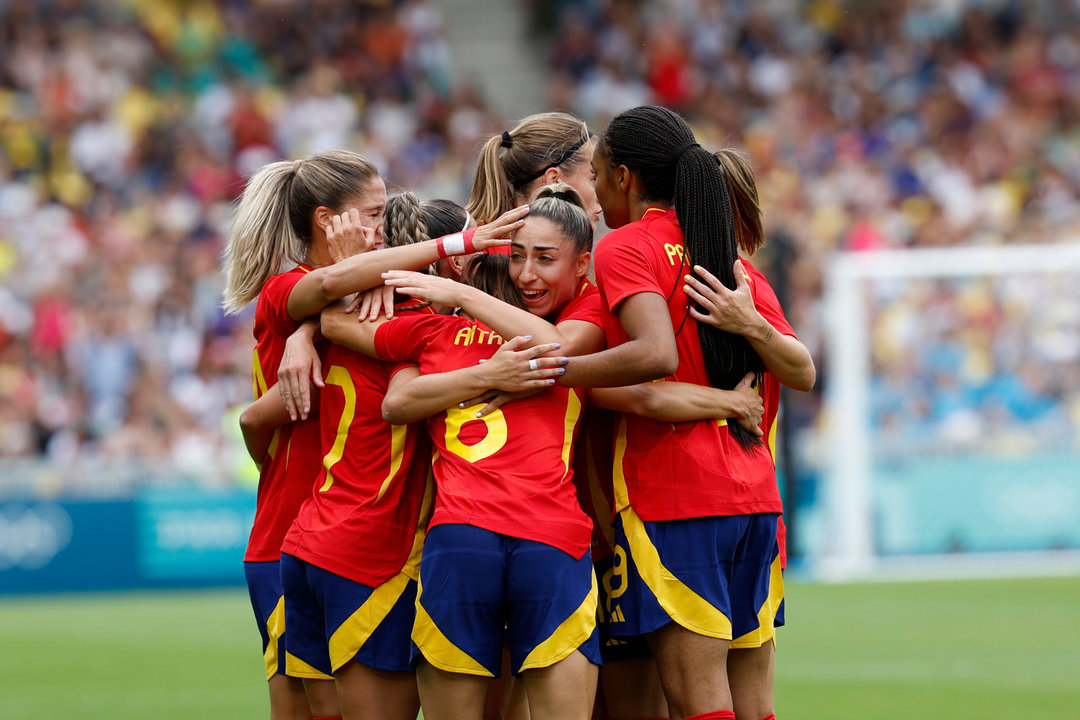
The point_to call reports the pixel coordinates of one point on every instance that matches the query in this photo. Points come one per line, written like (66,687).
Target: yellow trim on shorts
(295,667)
(355,631)
(569,636)
(351,635)
(275,629)
(437,648)
(766,629)
(682,604)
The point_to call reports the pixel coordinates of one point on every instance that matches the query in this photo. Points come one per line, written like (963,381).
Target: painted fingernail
(558,346)
(562,370)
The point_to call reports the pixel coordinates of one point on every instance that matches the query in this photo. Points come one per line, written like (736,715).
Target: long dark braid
(659,146)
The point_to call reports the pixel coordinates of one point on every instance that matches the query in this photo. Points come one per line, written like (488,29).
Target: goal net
(953,413)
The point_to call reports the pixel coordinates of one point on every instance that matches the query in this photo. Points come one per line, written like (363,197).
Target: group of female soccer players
(395,563)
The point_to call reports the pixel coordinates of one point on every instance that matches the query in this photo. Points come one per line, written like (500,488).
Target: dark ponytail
(658,145)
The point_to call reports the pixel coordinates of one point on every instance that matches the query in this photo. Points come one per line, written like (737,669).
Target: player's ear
(323,217)
(581,267)
(623,179)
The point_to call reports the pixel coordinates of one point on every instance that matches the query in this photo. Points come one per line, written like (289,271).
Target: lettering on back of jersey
(676,254)
(473,334)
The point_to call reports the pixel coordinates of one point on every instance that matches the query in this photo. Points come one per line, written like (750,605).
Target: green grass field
(926,650)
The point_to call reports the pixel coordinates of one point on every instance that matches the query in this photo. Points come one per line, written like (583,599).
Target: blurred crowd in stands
(127,128)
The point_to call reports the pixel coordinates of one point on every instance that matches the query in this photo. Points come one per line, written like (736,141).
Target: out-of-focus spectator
(126,131)
(879,125)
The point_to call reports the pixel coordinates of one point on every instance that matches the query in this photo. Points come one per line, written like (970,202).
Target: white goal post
(848,550)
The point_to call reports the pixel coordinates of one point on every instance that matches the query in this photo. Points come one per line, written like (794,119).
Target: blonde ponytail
(512,162)
(272,227)
(263,239)
(492,193)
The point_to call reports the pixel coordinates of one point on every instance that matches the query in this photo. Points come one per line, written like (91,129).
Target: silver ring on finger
(533,365)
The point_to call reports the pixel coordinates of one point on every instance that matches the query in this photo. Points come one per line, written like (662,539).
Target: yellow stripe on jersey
(295,667)
(766,629)
(258,380)
(568,637)
(622,495)
(682,604)
(437,649)
(772,437)
(570,421)
(275,628)
(397,451)
(351,635)
(339,376)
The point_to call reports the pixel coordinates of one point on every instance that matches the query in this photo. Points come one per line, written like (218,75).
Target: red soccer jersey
(292,464)
(592,451)
(508,472)
(363,519)
(670,471)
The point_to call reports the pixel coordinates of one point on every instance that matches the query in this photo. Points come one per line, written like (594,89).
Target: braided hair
(658,145)
(408,221)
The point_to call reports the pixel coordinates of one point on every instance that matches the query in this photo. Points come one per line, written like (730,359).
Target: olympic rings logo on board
(32,535)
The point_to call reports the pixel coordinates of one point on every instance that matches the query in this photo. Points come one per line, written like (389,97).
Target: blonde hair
(563,206)
(739,177)
(508,163)
(272,227)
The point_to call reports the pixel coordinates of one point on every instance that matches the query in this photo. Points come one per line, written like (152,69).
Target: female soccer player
(668,200)
(285,216)
(282,219)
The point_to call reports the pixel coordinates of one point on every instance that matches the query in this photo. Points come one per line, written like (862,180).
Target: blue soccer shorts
(268,602)
(715,576)
(611,579)
(480,589)
(331,620)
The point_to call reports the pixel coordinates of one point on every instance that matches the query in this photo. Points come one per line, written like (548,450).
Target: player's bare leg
(500,690)
(322,696)
(750,674)
(287,699)
(451,696)
(517,705)
(631,689)
(365,692)
(693,670)
(566,689)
